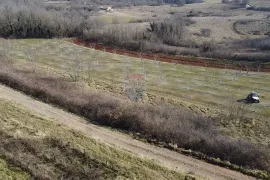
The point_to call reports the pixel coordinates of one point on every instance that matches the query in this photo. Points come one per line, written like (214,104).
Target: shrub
(170,31)
(261,43)
(205,32)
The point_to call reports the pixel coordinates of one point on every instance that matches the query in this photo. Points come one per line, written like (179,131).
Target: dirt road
(162,156)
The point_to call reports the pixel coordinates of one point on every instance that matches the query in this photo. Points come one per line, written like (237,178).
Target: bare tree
(258,65)
(89,68)
(226,63)
(236,74)
(141,56)
(75,72)
(135,87)
(155,59)
(174,65)
(241,67)
(103,51)
(247,66)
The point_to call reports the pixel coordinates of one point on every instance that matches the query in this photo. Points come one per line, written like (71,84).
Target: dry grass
(161,123)
(7,171)
(201,86)
(47,150)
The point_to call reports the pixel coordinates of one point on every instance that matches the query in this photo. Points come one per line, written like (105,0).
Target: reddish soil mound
(194,61)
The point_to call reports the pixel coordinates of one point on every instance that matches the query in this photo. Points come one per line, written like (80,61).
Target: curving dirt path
(170,159)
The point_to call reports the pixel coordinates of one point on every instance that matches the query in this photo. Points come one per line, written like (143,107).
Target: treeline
(262,44)
(32,19)
(35,21)
(242,2)
(29,20)
(136,2)
(182,2)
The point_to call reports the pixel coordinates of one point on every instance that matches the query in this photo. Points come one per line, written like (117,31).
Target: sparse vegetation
(162,31)
(26,20)
(163,123)
(241,2)
(205,32)
(47,150)
(7,171)
(262,44)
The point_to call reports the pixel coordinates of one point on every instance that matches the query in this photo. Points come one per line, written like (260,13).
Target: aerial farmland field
(145,89)
(208,88)
(208,91)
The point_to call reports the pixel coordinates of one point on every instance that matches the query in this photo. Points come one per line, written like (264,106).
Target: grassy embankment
(38,147)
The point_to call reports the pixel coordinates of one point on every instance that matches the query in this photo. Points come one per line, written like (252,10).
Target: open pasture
(202,89)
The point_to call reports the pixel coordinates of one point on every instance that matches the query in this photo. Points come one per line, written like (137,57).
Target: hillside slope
(168,158)
(32,146)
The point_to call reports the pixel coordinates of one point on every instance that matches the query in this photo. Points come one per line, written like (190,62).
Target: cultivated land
(99,82)
(209,91)
(21,125)
(36,144)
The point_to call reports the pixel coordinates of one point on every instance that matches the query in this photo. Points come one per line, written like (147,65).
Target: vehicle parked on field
(253,98)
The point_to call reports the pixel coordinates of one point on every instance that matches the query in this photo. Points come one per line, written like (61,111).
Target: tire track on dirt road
(165,157)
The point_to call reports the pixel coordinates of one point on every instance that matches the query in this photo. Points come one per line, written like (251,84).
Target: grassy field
(8,172)
(205,90)
(45,149)
(206,87)
(116,18)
